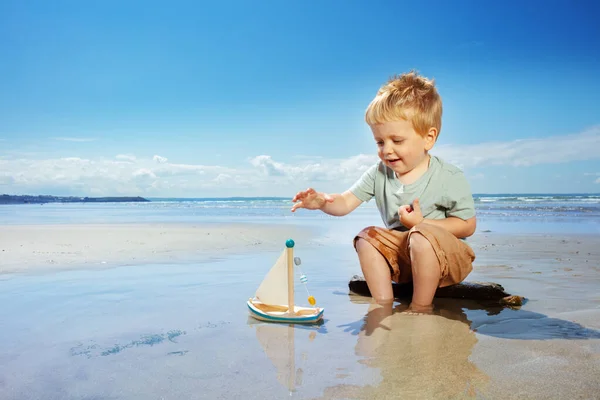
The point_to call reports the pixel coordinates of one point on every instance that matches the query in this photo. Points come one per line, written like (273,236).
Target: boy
(425,203)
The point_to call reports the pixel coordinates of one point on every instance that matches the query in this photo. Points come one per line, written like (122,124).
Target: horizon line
(286,197)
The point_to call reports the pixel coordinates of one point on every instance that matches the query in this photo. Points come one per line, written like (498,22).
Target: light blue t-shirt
(443,191)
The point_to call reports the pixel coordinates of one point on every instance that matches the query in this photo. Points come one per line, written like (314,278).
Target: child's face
(400,147)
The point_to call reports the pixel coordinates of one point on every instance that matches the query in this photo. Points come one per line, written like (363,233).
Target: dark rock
(463,290)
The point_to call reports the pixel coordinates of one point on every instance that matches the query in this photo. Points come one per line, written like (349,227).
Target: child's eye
(398,141)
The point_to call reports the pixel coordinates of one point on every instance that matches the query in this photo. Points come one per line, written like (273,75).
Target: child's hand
(410,215)
(311,200)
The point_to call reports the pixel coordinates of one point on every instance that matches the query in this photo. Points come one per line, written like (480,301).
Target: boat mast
(290,272)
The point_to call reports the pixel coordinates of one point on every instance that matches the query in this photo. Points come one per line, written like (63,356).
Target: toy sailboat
(274,298)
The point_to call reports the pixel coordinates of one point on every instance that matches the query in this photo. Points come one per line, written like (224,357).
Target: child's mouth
(394,161)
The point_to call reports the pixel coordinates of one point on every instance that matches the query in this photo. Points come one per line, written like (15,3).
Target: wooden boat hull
(279,313)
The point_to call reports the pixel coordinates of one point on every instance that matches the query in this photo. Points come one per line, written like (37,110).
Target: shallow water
(183,331)
(152,331)
(506,214)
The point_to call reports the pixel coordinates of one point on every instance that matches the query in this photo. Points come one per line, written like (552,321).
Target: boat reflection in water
(278,343)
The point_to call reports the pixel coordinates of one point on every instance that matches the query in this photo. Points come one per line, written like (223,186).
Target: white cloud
(339,170)
(270,167)
(127,174)
(133,176)
(6,180)
(125,157)
(526,152)
(144,172)
(74,139)
(307,157)
(176,169)
(222,178)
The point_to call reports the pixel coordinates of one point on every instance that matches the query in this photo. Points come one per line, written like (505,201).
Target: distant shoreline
(478,197)
(42,199)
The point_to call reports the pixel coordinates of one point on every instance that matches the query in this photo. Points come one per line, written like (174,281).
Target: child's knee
(362,245)
(418,244)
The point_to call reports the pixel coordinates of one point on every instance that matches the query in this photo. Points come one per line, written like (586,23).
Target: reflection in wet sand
(418,356)
(278,343)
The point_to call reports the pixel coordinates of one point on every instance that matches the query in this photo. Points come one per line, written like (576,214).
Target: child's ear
(430,138)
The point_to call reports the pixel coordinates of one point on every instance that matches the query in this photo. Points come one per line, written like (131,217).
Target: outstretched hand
(311,200)
(410,215)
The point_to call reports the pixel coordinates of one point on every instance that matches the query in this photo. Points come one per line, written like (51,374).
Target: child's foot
(416,309)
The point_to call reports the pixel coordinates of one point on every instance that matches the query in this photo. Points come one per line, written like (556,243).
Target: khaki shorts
(455,256)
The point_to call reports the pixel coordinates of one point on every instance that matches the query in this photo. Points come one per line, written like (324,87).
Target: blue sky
(240,98)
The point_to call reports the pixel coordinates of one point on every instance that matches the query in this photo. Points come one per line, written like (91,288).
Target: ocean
(507,213)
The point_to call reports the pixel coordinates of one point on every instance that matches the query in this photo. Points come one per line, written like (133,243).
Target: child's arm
(461,228)
(339,204)
(342,204)
(333,204)
(456,198)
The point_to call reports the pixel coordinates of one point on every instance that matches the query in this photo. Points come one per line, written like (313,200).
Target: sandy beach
(547,349)
(49,247)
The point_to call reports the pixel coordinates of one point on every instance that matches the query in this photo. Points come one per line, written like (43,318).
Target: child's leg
(426,272)
(427,255)
(376,272)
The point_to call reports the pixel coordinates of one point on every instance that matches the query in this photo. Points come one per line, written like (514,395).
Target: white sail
(274,288)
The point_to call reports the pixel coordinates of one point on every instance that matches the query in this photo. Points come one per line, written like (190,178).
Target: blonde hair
(410,97)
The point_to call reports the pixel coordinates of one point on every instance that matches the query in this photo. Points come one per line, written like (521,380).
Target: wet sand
(51,247)
(547,349)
